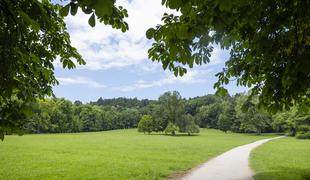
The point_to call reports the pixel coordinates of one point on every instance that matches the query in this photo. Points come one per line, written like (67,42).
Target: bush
(303,128)
(171,128)
(188,126)
(303,135)
(192,128)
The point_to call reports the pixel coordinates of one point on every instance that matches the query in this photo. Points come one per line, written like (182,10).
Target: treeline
(63,116)
(170,113)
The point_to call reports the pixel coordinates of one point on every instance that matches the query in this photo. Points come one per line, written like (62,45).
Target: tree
(78,103)
(191,128)
(227,118)
(188,125)
(161,118)
(172,106)
(207,116)
(32,36)
(146,124)
(269,43)
(296,121)
(280,122)
(171,128)
(192,105)
(91,117)
(130,117)
(224,123)
(40,122)
(172,115)
(252,119)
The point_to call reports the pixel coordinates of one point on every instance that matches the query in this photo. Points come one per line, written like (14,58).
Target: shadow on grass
(287,173)
(176,135)
(263,134)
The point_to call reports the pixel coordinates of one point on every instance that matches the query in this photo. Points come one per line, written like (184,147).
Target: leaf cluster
(269,43)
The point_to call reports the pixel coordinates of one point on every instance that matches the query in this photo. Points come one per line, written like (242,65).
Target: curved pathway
(231,165)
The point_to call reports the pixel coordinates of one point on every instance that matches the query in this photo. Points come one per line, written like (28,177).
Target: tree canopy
(33,36)
(269,44)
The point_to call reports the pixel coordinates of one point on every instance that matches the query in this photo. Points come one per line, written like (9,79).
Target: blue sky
(118,65)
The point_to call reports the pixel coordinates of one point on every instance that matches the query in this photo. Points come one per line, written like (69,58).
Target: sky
(117,63)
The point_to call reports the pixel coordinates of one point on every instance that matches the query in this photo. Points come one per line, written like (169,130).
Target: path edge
(182,174)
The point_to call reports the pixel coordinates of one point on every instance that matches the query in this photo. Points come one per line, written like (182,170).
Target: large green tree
(207,116)
(227,118)
(33,36)
(269,44)
(172,106)
(251,117)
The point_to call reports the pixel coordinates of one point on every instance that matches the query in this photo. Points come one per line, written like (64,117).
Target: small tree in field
(171,128)
(146,124)
(187,125)
(192,128)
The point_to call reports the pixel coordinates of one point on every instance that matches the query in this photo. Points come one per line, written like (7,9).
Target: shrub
(146,124)
(171,128)
(303,135)
(192,128)
(303,128)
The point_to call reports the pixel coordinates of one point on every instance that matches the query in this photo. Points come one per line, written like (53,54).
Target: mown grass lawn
(286,158)
(118,154)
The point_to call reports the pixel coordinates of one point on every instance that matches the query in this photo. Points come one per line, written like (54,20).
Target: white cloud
(191,77)
(79,81)
(103,47)
(218,56)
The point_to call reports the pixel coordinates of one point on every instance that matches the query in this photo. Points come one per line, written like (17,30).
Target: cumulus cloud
(79,81)
(192,77)
(105,48)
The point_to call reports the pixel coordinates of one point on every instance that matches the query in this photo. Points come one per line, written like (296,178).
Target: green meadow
(285,158)
(117,154)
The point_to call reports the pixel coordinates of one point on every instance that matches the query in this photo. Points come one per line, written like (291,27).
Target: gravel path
(231,165)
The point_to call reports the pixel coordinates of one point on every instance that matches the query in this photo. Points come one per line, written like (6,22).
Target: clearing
(117,154)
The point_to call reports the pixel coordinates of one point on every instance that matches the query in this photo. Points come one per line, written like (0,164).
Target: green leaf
(32,23)
(123,29)
(64,10)
(226,5)
(221,91)
(176,71)
(87,10)
(173,52)
(181,72)
(92,20)
(165,64)
(74,8)
(103,8)
(150,33)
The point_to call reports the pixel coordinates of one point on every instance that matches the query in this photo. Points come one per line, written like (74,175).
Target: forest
(170,114)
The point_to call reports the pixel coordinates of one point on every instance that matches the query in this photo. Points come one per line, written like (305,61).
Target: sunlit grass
(285,158)
(118,154)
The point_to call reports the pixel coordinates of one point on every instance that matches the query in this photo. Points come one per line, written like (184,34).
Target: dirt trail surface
(231,165)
